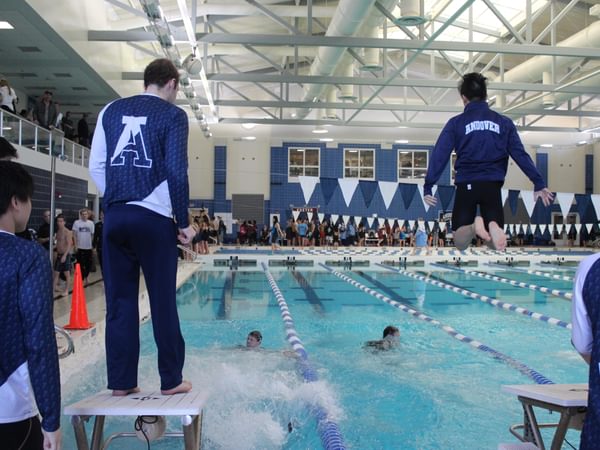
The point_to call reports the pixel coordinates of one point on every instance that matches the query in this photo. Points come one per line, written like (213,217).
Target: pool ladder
(347,263)
(457,261)
(234,262)
(290,262)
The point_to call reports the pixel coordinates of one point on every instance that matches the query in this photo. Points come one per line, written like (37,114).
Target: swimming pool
(433,392)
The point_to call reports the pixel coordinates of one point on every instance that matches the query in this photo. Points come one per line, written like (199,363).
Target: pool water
(433,392)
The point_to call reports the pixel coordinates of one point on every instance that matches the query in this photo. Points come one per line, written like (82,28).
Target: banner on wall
(368,189)
(528,201)
(565,199)
(422,193)
(308,185)
(388,190)
(348,187)
(328,187)
(408,192)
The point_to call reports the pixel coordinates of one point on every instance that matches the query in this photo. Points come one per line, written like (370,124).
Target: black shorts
(485,194)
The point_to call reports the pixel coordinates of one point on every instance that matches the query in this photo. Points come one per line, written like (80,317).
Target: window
(359,163)
(412,163)
(303,162)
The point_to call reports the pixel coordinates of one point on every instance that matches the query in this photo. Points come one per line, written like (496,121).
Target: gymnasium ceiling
(284,66)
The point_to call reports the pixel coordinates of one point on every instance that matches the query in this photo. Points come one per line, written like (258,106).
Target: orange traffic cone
(79,317)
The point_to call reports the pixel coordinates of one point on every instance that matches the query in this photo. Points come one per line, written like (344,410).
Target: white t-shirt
(83,230)
(8,95)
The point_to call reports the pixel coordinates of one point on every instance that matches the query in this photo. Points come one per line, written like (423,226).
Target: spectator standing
(30,381)
(62,263)
(83,232)
(97,241)
(8,97)
(139,163)
(83,131)
(221,230)
(67,126)
(43,232)
(45,111)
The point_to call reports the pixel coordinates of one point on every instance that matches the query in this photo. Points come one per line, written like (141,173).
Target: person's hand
(546,195)
(64,258)
(52,439)
(186,234)
(430,200)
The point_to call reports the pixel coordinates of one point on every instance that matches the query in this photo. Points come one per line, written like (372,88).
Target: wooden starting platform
(569,400)
(148,403)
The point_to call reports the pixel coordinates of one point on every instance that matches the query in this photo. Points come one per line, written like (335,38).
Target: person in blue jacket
(29,371)
(139,162)
(483,140)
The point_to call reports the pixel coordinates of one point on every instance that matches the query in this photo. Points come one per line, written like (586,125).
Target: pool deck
(89,344)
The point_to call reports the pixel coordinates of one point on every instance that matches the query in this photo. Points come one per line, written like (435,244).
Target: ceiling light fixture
(401,141)
(546,145)
(326,139)
(320,130)
(248,138)
(248,125)
(4,25)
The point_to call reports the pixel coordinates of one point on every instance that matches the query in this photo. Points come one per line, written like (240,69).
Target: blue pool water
(434,392)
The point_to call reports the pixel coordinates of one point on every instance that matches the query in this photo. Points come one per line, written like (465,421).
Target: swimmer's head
(391,330)
(254,339)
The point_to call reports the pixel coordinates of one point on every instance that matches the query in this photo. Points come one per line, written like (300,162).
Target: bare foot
(184,387)
(479,228)
(498,237)
(124,392)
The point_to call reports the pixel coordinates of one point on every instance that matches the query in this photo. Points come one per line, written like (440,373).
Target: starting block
(149,403)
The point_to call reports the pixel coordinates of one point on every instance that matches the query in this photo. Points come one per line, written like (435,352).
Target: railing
(189,252)
(21,131)
(70,348)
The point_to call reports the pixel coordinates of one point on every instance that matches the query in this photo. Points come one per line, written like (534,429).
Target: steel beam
(338,41)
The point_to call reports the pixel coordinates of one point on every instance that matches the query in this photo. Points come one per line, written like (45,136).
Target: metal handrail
(189,252)
(54,143)
(70,345)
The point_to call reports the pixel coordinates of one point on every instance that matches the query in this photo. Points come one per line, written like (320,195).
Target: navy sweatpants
(135,237)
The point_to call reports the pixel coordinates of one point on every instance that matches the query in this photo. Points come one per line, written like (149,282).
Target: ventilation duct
(347,90)
(410,13)
(347,19)
(531,71)
(548,101)
(371,55)
(330,113)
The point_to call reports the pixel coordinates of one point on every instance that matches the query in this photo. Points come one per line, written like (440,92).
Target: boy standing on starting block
(29,372)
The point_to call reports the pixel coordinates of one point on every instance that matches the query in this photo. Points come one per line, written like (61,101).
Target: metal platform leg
(98,433)
(192,433)
(80,435)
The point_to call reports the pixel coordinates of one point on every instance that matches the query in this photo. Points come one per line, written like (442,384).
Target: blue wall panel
(589,174)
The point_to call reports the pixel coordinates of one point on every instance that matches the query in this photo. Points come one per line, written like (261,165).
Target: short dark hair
(256,334)
(16,182)
(473,86)
(60,216)
(159,72)
(7,150)
(390,330)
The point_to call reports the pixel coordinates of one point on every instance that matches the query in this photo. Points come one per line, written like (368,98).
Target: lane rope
(328,430)
(483,298)
(533,287)
(525,370)
(533,272)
